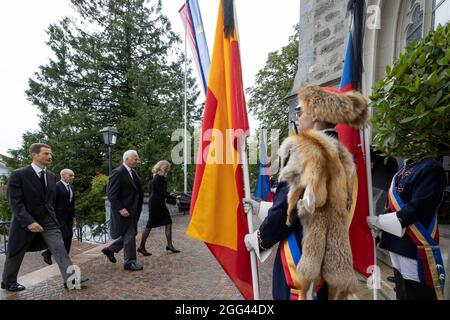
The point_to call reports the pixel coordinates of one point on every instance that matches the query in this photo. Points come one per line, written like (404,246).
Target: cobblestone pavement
(191,274)
(33,260)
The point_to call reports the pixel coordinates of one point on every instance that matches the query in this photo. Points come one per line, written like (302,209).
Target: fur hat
(331,105)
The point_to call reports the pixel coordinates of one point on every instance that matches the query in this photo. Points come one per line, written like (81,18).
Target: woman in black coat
(158,213)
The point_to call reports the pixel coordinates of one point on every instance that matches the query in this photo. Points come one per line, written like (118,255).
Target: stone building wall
(324,26)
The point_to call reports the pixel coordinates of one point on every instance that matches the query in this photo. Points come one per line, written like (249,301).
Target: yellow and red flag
(217,215)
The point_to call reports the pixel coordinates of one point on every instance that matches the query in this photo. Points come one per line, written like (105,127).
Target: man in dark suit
(64,209)
(126,196)
(34,226)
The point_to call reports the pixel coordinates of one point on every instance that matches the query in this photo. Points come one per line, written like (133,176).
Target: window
(441,12)
(414,30)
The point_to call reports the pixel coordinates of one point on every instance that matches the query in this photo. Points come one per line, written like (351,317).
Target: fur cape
(346,107)
(320,173)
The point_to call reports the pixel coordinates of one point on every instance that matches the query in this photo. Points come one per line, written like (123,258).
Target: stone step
(34,270)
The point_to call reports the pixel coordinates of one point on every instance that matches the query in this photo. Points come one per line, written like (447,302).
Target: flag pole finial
(228,17)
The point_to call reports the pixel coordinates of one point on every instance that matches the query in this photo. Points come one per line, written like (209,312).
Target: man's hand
(124,213)
(250,203)
(35,227)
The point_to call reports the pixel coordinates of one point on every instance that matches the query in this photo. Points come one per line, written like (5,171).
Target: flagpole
(255,280)
(185,112)
(375,273)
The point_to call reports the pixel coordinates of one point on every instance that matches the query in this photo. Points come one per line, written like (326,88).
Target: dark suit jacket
(29,204)
(123,192)
(65,210)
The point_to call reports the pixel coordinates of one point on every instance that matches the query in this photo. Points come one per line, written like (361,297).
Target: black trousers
(411,290)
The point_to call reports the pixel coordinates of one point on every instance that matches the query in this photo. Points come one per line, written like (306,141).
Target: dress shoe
(172,249)
(47,258)
(133,267)
(109,254)
(13,287)
(144,252)
(81,281)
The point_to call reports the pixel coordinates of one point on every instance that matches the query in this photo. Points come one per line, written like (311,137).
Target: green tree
(5,211)
(412,103)
(117,63)
(91,207)
(272,85)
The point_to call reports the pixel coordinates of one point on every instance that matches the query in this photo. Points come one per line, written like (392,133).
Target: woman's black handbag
(172,199)
(185,202)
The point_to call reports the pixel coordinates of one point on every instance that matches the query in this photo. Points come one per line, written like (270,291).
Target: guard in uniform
(318,116)
(409,230)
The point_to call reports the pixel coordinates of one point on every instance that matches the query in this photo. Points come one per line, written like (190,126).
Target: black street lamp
(110,139)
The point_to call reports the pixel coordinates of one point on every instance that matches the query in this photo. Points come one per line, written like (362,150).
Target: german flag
(217,215)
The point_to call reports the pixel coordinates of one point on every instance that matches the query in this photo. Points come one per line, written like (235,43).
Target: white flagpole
(185,112)
(255,280)
(366,143)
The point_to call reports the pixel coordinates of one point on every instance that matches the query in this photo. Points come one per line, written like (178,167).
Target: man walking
(34,226)
(126,196)
(64,209)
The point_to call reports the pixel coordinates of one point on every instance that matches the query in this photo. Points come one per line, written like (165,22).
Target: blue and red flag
(192,21)
(262,189)
(360,237)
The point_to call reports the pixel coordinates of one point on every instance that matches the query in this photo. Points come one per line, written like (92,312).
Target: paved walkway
(191,274)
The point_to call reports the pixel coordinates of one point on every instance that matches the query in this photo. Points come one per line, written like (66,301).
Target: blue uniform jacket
(274,229)
(421,189)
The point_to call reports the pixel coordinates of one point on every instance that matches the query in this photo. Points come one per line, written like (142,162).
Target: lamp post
(110,139)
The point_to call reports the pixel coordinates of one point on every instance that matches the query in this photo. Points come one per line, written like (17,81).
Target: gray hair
(65,171)
(127,154)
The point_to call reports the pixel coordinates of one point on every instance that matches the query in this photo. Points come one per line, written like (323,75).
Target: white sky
(264,26)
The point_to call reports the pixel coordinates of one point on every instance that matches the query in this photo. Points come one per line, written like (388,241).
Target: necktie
(135,176)
(70,193)
(42,179)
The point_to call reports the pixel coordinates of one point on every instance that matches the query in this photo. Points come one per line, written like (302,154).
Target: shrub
(412,103)
(90,205)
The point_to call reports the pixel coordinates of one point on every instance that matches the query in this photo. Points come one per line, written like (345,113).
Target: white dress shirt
(68,189)
(38,170)
(129,170)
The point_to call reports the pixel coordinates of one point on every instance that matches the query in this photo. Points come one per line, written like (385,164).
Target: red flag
(360,236)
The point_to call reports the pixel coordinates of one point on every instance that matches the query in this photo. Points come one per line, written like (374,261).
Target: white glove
(252,243)
(372,222)
(249,242)
(388,223)
(250,203)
